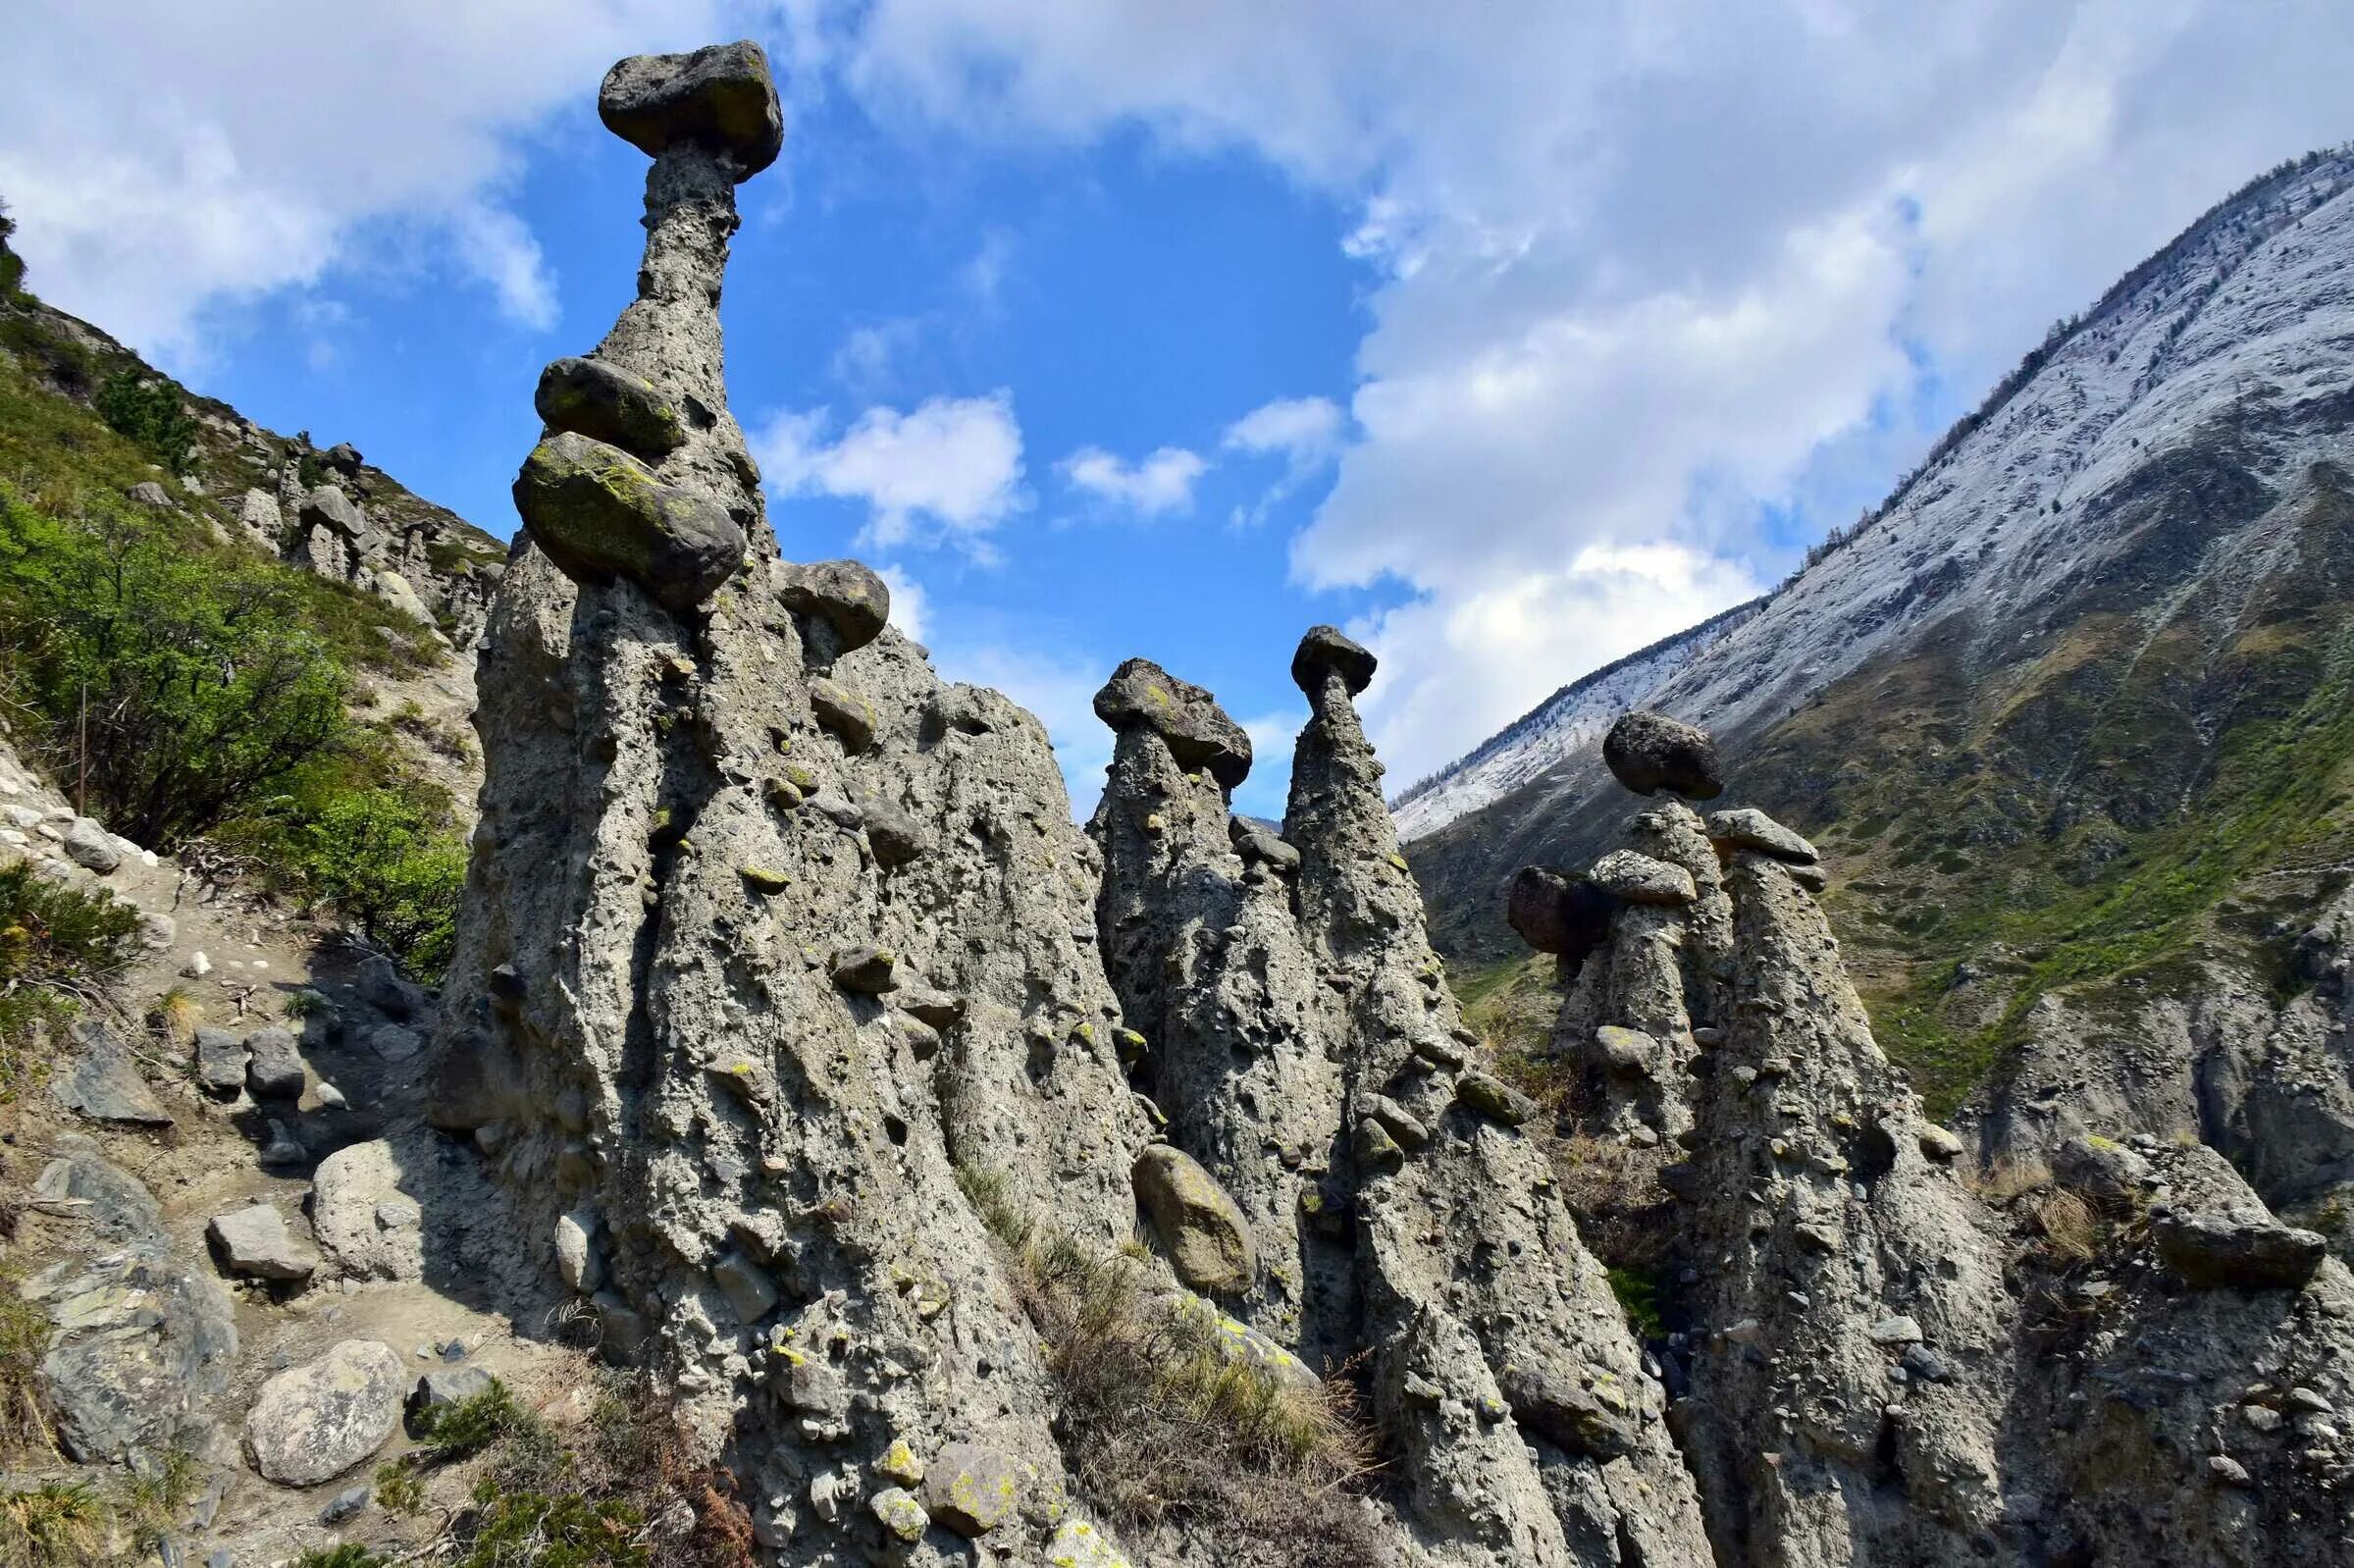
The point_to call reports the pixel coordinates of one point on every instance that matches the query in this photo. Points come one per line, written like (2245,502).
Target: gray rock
(720,100)
(747,1286)
(1568,1415)
(345,1504)
(868,970)
(314,1421)
(103,1083)
(80,1184)
(936,1007)
(971,1489)
(448,1386)
(88,846)
(343,457)
(281,1149)
(590,397)
(2100,1169)
(1559,915)
(1142,694)
(1205,1236)
(274,1066)
(328,507)
(147,492)
(254,1241)
(1639,879)
(577,1262)
(599,513)
(1325,651)
(850,716)
(1494,1099)
(894,834)
(2247,1249)
(221,1059)
(1651,752)
(392,1042)
(365,1223)
(1752,829)
(849,601)
(1255,843)
(385,988)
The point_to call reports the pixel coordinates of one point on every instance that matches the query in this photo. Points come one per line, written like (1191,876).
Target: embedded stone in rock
(1628,1053)
(1201,1229)
(2099,1167)
(104,1083)
(894,834)
(1494,1099)
(577,1262)
(1080,1544)
(973,1490)
(899,1512)
(844,711)
(88,846)
(590,397)
(2248,1249)
(936,1007)
(1568,1416)
(720,100)
(1255,843)
(314,1421)
(1324,648)
(851,601)
(366,1224)
(274,1066)
(1651,752)
(1141,694)
(1639,879)
(597,513)
(255,1241)
(329,508)
(1568,917)
(1752,829)
(747,1286)
(1937,1143)
(867,970)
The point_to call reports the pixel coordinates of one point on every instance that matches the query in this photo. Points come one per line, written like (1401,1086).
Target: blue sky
(1511,344)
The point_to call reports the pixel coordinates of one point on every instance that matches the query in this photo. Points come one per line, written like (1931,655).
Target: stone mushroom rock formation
(1651,752)
(1196,730)
(720,100)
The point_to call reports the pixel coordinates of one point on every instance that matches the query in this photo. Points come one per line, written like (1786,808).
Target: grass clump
(343,1556)
(23,1341)
(1164,1423)
(59,1524)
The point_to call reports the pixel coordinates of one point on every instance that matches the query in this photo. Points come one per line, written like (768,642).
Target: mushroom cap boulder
(603,403)
(847,596)
(1651,752)
(599,513)
(720,100)
(1142,695)
(1564,916)
(1324,648)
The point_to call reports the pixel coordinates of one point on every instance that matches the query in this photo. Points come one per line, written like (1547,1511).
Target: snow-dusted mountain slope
(1567,723)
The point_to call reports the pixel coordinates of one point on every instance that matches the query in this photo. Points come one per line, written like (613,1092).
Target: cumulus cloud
(948,470)
(1156,484)
(910,603)
(161,159)
(1640,272)
(1301,429)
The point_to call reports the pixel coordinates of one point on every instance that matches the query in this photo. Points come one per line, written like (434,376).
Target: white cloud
(1640,270)
(1301,429)
(1160,484)
(165,159)
(951,469)
(911,606)
(866,362)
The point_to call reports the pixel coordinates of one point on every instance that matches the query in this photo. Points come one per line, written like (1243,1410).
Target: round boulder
(592,399)
(1568,917)
(1324,649)
(720,100)
(1200,1227)
(1142,694)
(845,596)
(313,1422)
(1651,752)
(599,513)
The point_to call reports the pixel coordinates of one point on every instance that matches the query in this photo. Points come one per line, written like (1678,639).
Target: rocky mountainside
(2070,705)
(948,1184)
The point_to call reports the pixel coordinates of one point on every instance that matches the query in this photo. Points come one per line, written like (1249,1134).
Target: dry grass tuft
(2071,1226)
(2006,1180)
(23,1341)
(59,1524)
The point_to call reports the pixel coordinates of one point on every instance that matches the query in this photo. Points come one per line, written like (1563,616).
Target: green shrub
(568,1529)
(177,682)
(23,1341)
(57,944)
(384,856)
(12,265)
(152,412)
(343,1556)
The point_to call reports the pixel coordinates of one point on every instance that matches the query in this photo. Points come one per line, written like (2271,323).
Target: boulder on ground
(590,397)
(1324,648)
(1651,752)
(1200,1227)
(254,1242)
(369,1227)
(147,492)
(720,100)
(91,847)
(599,513)
(221,1059)
(314,1421)
(343,458)
(274,1066)
(1142,694)
(448,1386)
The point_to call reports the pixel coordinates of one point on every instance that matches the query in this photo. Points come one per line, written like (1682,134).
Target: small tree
(151,413)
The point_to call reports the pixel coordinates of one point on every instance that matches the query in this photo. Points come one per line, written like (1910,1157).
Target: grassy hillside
(177,679)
